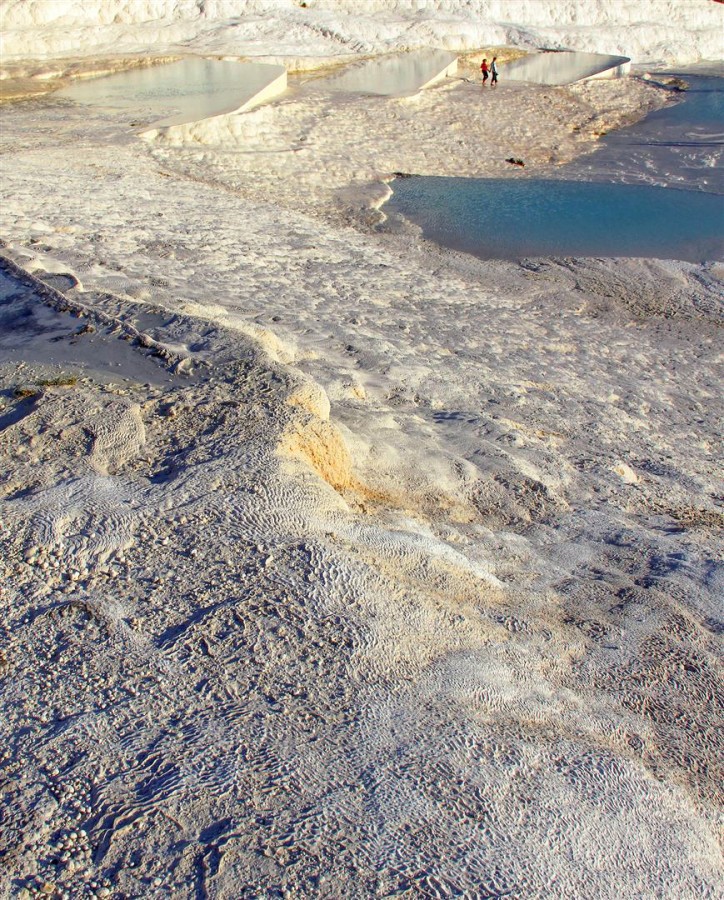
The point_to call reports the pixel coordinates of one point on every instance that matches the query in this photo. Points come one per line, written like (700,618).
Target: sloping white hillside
(332,563)
(646,30)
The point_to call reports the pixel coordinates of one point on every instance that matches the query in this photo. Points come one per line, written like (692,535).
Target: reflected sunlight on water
(564,67)
(184,91)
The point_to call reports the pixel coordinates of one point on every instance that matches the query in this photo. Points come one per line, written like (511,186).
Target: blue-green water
(653,190)
(504,218)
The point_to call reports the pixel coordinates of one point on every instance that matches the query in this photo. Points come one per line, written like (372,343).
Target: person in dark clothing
(484,69)
(493,72)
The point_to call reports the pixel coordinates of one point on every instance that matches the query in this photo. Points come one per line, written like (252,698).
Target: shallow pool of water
(395,75)
(178,92)
(563,67)
(500,218)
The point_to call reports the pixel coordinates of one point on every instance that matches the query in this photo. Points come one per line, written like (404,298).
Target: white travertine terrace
(289,31)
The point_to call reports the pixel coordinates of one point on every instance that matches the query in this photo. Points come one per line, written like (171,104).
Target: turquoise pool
(498,218)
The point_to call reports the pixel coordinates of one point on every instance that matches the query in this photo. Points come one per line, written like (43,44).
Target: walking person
(493,72)
(485,70)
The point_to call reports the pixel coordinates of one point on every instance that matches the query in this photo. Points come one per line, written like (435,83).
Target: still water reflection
(563,67)
(395,75)
(178,92)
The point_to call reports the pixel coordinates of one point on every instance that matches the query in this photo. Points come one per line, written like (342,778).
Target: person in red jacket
(485,70)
